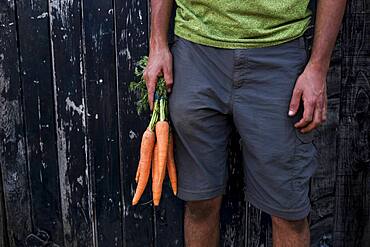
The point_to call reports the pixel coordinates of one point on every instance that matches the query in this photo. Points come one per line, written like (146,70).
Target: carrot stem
(162,106)
(155,116)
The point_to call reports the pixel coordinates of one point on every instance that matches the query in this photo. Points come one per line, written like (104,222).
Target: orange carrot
(155,163)
(161,131)
(155,176)
(137,173)
(171,167)
(146,152)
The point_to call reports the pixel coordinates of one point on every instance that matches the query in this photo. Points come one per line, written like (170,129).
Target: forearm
(328,20)
(160,18)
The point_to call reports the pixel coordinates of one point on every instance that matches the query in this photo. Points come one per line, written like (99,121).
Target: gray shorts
(215,89)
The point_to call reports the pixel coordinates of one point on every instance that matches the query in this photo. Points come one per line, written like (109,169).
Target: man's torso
(241,24)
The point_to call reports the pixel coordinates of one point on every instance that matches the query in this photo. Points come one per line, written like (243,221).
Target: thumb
(294,102)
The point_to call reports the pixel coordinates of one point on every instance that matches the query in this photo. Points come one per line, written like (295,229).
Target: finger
(145,76)
(325,110)
(152,81)
(168,77)
(294,102)
(317,119)
(307,114)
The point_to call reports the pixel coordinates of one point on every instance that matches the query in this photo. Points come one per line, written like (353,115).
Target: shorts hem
(187,195)
(288,214)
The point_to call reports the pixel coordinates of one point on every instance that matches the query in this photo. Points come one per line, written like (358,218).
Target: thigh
(198,108)
(279,160)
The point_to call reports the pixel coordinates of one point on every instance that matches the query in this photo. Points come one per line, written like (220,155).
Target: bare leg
(286,233)
(202,223)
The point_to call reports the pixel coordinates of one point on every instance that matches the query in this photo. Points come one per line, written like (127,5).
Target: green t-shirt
(241,23)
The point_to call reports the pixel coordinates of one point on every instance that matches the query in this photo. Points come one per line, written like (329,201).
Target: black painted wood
(3,229)
(35,72)
(352,205)
(70,111)
(12,142)
(167,215)
(233,210)
(102,120)
(131,26)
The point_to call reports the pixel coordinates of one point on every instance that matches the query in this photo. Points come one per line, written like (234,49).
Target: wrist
(158,43)
(319,67)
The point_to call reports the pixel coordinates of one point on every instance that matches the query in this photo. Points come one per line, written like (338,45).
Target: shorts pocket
(305,137)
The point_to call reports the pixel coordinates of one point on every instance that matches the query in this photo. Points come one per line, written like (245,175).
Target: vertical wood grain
(70,110)
(352,205)
(233,211)
(3,227)
(12,143)
(34,48)
(131,28)
(102,119)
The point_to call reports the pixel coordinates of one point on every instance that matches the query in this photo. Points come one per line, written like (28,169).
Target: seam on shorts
(232,91)
(189,195)
(294,214)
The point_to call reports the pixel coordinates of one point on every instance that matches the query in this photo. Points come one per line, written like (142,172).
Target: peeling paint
(125,52)
(62,10)
(80,180)
(70,105)
(132,134)
(43,15)
(65,189)
(9,110)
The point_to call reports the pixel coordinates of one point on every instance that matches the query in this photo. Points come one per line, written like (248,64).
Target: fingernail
(290,113)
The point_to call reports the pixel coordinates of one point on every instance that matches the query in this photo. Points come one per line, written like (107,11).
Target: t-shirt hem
(233,45)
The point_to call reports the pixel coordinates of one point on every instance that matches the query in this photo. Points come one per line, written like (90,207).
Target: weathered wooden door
(69,135)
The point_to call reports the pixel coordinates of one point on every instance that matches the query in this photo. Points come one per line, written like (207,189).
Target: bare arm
(311,84)
(160,58)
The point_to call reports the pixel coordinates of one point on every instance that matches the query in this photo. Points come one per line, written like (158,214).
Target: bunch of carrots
(156,151)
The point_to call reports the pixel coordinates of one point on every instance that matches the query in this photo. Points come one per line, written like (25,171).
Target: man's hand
(311,88)
(159,63)
(160,57)
(311,84)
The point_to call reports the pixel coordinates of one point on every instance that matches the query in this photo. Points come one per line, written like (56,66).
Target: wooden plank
(258,227)
(233,217)
(74,173)
(102,122)
(168,219)
(12,144)
(3,230)
(131,26)
(39,117)
(351,220)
